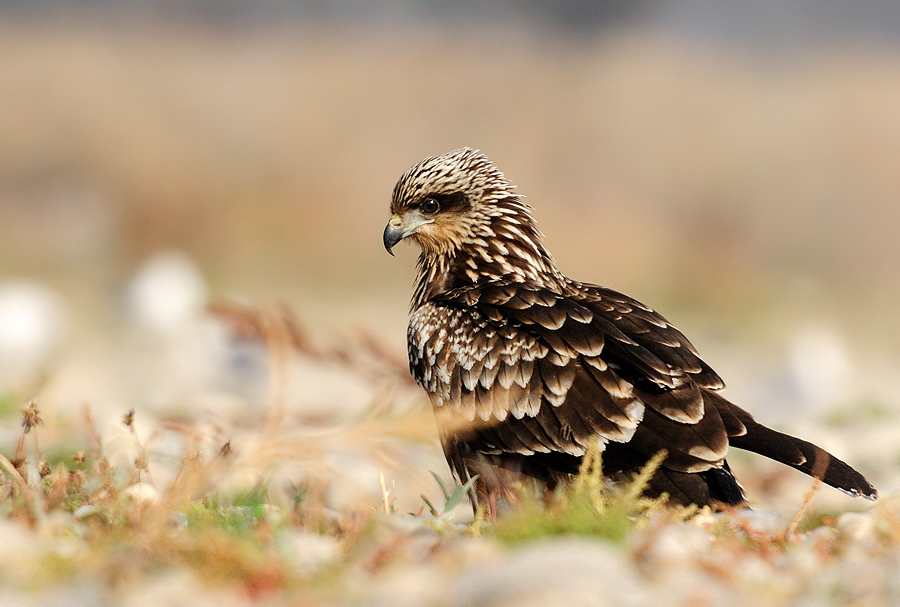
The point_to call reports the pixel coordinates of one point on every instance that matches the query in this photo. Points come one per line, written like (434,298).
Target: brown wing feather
(596,324)
(546,383)
(648,329)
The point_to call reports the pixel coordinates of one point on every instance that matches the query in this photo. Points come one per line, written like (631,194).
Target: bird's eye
(430,206)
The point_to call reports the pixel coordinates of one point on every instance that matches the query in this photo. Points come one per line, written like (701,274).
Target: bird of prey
(526,368)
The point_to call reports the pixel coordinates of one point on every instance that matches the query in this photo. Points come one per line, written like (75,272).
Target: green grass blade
(441,485)
(431,507)
(458,493)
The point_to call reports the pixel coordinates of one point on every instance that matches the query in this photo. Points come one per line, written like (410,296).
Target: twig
(279,341)
(142,462)
(807,499)
(385,493)
(8,467)
(32,497)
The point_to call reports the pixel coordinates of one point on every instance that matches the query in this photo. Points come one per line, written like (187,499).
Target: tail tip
(868,492)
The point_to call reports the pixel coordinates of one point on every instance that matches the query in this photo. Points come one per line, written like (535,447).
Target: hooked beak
(393,233)
(395,230)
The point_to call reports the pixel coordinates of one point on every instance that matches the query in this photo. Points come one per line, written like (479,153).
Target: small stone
(677,544)
(563,571)
(312,551)
(83,512)
(766,521)
(142,493)
(858,526)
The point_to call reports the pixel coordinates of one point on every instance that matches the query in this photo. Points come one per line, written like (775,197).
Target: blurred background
(734,165)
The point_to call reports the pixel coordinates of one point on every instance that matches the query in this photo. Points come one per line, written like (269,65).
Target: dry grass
(129,527)
(123,530)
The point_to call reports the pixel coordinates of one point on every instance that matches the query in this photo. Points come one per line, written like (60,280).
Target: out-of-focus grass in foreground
(119,531)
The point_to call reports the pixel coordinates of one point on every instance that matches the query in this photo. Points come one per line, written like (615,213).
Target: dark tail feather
(795,452)
(815,462)
(723,487)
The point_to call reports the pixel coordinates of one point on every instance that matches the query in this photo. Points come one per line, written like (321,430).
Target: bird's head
(447,202)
